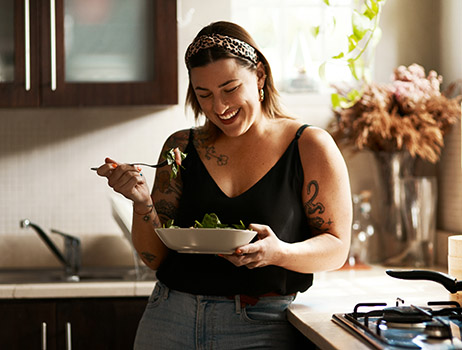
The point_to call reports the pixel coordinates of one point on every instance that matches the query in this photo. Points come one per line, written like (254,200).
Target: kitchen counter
(91,289)
(311,312)
(339,291)
(94,282)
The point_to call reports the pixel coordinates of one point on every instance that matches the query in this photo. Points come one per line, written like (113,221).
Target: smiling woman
(249,162)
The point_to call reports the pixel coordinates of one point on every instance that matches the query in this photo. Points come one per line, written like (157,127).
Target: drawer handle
(68,336)
(53,43)
(27,43)
(44,336)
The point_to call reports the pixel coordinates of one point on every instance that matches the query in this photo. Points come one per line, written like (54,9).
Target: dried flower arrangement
(410,113)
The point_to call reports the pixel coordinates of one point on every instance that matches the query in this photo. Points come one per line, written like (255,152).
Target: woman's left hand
(267,250)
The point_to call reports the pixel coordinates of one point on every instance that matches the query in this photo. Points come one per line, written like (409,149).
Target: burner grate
(405,327)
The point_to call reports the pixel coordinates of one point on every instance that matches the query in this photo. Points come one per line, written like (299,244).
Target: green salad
(174,157)
(210,221)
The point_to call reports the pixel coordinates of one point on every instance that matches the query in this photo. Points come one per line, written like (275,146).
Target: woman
(248,162)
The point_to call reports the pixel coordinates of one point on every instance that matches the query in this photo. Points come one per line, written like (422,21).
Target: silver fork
(161,164)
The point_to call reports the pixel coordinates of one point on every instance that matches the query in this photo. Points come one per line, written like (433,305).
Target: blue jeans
(174,320)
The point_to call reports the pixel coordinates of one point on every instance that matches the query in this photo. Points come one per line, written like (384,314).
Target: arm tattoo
(156,222)
(165,185)
(149,257)
(165,210)
(312,208)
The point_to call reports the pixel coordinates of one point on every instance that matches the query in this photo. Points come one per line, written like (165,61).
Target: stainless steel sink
(19,276)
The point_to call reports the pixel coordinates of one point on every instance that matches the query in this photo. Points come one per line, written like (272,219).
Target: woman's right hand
(126,180)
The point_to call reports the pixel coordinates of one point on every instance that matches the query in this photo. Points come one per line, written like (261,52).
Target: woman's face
(228,94)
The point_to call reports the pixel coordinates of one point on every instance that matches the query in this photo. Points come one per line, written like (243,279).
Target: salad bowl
(205,240)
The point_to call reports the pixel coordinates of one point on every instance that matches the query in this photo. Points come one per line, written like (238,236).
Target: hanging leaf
(322,71)
(315,31)
(360,25)
(352,43)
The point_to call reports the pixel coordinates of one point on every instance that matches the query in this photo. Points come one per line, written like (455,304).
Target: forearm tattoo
(148,257)
(314,209)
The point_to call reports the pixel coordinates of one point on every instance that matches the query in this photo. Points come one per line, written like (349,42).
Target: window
(297,36)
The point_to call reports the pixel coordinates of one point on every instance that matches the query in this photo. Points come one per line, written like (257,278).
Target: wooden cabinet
(86,53)
(93,323)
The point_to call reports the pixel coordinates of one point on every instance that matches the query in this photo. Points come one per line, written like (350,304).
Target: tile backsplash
(46,155)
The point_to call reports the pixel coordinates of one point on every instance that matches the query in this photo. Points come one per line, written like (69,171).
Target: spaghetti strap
(300,131)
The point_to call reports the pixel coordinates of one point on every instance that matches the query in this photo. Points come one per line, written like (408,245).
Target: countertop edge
(77,290)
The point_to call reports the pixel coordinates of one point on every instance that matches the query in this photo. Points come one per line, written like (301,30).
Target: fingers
(259,253)
(123,178)
(249,260)
(107,168)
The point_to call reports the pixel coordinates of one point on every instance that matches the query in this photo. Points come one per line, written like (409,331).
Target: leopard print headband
(233,45)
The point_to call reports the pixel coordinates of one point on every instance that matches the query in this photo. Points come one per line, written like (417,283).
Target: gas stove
(437,325)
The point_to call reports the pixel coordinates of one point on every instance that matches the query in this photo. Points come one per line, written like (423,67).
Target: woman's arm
(162,207)
(150,210)
(327,202)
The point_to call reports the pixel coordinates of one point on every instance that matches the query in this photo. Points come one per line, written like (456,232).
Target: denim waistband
(241,300)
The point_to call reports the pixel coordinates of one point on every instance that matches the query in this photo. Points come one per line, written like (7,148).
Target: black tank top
(275,200)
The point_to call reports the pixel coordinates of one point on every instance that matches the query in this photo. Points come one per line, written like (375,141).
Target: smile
(229,115)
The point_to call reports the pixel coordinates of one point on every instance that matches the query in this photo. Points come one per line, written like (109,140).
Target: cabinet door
(18,53)
(27,324)
(108,52)
(98,323)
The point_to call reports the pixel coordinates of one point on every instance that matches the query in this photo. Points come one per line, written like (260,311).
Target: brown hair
(270,105)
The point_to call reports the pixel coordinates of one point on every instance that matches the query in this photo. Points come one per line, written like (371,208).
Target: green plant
(365,35)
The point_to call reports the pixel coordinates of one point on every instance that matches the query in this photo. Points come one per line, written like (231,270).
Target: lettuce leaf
(210,221)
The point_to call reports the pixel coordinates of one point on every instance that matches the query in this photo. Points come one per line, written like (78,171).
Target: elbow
(340,254)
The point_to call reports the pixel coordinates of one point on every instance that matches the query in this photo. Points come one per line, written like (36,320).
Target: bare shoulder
(319,152)
(315,140)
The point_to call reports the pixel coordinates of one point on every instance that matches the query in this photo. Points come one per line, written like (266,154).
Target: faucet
(72,253)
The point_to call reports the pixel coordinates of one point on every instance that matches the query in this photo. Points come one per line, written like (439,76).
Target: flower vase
(392,168)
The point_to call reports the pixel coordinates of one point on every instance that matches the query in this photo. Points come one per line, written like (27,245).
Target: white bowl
(204,240)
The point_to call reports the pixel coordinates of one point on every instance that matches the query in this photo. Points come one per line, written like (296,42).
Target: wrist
(143,209)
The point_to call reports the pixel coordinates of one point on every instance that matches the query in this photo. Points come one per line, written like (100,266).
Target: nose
(219,105)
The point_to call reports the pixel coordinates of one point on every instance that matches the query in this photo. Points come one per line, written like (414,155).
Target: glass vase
(392,168)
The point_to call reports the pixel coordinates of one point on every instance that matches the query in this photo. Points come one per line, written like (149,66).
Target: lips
(228,117)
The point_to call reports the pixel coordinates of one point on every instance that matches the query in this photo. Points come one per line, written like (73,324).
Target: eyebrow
(221,85)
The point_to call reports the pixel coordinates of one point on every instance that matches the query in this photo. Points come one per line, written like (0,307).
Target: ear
(261,75)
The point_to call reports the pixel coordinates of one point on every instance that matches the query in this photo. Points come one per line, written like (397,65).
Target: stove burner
(438,331)
(404,314)
(438,326)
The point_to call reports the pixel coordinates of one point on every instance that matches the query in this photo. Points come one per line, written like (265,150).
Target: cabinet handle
(53,43)
(44,336)
(27,42)
(68,336)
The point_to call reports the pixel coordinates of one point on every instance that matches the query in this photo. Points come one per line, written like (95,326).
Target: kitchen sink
(24,276)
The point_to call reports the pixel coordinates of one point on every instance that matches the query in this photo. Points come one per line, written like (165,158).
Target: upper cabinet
(88,53)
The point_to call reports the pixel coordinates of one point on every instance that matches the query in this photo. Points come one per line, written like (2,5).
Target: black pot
(449,282)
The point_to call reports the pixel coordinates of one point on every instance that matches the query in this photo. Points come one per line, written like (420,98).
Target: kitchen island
(339,291)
